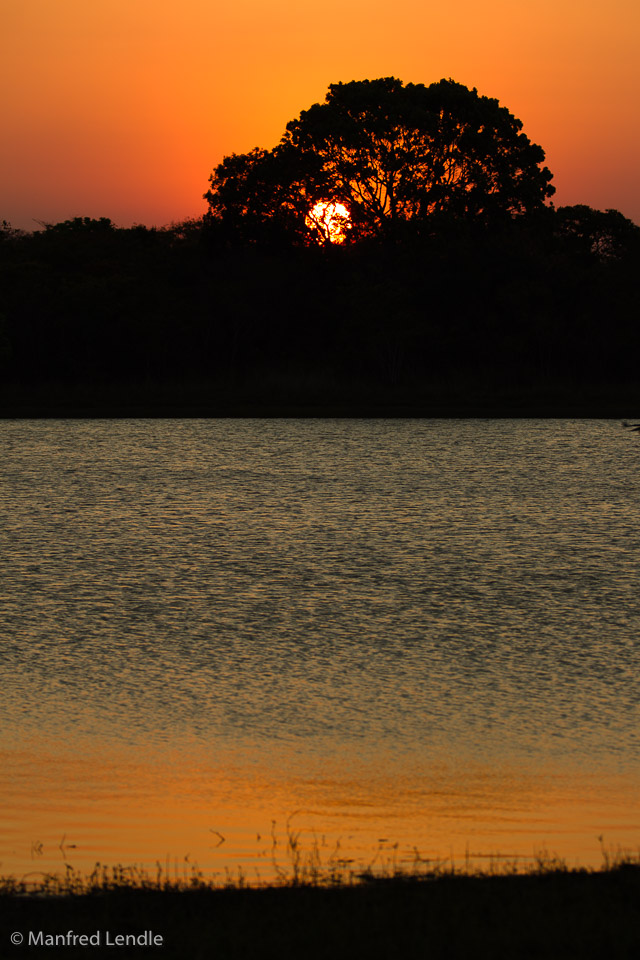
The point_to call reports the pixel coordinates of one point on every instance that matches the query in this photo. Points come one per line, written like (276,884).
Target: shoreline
(549,912)
(188,401)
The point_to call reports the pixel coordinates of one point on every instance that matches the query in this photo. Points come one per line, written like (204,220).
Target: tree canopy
(392,154)
(604,234)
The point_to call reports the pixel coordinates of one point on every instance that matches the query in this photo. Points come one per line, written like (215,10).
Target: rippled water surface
(414,627)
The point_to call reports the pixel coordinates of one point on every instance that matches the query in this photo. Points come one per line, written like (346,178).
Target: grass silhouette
(337,909)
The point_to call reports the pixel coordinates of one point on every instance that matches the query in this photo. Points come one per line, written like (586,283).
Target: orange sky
(121,108)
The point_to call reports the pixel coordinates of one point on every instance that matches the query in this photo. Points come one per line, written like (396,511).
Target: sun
(330,220)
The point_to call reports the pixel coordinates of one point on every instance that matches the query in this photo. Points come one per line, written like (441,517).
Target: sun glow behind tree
(329,221)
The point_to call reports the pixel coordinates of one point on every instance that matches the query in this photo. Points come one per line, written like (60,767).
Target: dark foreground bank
(552,914)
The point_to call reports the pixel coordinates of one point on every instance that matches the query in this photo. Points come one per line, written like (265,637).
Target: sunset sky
(121,108)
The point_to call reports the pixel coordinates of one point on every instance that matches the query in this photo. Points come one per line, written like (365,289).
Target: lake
(393,639)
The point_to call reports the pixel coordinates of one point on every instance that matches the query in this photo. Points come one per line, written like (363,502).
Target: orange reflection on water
(237,814)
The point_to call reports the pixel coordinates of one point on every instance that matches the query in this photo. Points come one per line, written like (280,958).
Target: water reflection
(314,598)
(237,815)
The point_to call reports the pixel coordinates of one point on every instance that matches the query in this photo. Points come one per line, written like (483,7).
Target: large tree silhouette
(392,154)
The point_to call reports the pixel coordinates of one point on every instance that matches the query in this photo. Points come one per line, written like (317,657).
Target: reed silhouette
(548,911)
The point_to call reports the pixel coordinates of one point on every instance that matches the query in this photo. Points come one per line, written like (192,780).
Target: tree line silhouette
(456,277)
